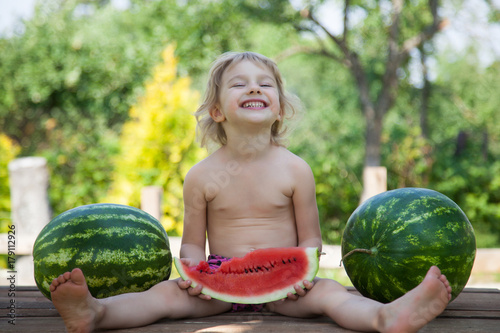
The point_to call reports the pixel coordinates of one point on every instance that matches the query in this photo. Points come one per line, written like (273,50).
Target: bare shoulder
(201,171)
(197,172)
(296,164)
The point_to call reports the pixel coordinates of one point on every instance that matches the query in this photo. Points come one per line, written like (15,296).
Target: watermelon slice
(261,276)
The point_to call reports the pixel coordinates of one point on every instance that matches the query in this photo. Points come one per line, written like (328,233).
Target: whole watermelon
(392,239)
(120,249)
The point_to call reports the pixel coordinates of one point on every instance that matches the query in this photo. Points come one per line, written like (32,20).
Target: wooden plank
(484,314)
(474,310)
(478,300)
(279,324)
(32,325)
(460,325)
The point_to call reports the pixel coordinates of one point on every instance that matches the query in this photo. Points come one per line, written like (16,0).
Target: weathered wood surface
(474,310)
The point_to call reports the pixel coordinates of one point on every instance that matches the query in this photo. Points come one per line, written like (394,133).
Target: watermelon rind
(281,293)
(120,249)
(392,239)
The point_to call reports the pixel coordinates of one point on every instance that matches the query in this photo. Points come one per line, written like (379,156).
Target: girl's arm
(195,227)
(195,219)
(306,215)
(305,206)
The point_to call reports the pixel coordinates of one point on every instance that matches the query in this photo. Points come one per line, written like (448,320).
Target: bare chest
(251,195)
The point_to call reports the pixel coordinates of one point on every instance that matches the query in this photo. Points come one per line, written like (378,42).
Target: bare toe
(434,270)
(420,305)
(61,279)
(74,302)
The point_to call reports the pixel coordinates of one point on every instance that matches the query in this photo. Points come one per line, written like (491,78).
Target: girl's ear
(280,115)
(217,115)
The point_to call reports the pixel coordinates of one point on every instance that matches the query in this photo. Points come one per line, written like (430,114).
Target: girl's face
(248,93)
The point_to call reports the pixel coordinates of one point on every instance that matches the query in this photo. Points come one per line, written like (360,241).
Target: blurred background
(105,92)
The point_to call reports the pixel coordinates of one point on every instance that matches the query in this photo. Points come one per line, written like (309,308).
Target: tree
(65,70)
(467,149)
(158,142)
(68,82)
(404,28)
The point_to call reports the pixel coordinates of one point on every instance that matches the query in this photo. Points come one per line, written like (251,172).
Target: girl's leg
(329,298)
(408,313)
(82,313)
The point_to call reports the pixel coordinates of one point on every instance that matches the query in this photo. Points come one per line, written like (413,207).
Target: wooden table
(474,310)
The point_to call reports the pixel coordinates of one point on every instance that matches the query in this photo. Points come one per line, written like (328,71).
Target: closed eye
(267,84)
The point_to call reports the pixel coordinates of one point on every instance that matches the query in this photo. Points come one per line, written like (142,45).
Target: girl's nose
(254,89)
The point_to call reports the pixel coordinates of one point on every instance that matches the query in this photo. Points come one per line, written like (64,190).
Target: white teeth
(253,105)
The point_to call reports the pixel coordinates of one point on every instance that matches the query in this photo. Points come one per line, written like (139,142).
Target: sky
(12,10)
(470,24)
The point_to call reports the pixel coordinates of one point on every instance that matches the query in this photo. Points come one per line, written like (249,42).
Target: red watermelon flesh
(261,276)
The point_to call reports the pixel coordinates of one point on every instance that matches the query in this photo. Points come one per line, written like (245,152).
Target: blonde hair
(209,130)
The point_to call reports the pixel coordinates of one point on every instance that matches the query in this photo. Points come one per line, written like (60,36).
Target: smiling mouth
(253,104)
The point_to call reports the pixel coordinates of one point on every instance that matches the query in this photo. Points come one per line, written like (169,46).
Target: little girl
(250,193)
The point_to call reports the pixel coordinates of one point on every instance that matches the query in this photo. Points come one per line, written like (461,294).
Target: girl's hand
(189,262)
(196,291)
(186,284)
(300,292)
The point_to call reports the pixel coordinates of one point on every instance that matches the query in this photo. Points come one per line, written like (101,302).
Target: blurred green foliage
(470,173)
(8,151)
(157,144)
(71,79)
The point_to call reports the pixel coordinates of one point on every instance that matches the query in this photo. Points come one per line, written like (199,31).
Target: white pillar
(374,182)
(151,197)
(29,184)
(30,210)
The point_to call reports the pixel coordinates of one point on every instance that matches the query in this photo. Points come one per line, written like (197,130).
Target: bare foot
(72,299)
(419,306)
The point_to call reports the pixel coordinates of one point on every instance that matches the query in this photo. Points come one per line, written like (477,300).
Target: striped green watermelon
(261,276)
(120,249)
(392,239)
